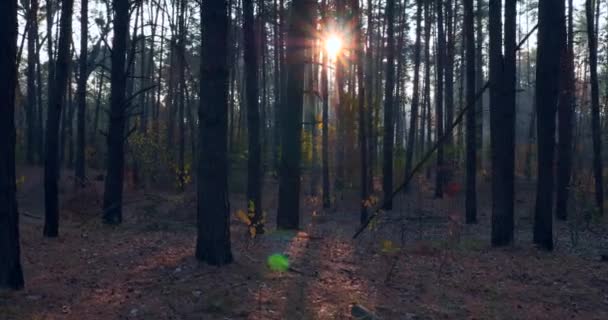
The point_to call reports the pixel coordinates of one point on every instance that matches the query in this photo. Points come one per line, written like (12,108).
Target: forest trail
(417,262)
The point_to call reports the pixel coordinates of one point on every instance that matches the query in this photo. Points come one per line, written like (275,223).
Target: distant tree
(595,104)
(113,192)
(56,99)
(471,143)
(439,94)
(30,109)
(565,114)
(288,214)
(361,108)
(213,209)
(81,92)
(254,160)
(325,120)
(414,117)
(11,275)
(387,165)
(550,18)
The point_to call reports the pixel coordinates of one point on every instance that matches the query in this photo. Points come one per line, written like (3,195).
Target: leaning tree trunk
(550,18)
(595,106)
(288,215)
(56,98)
(112,202)
(387,165)
(11,275)
(213,242)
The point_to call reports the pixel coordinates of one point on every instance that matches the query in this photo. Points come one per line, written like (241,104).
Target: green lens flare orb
(278,262)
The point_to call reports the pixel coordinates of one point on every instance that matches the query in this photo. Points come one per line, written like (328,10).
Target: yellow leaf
(242,216)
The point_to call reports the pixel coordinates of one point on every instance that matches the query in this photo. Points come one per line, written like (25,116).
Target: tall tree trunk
(550,19)
(79,170)
(213,242)
(56,97)
(565,113)
(449,77)
(595,105)
(471,143)
(409,150)
(30,111)
(361,108)
(288,215)
(439,175)
(11,274)
(254,160)
(479,81)
(502,102)
(325,133)
(112,202)
(387,163)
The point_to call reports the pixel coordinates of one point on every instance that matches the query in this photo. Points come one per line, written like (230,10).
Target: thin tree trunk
(471,143)
(387,163)
(565,113)
(325,132)
(595,106)
(254,160)
(439,175)
(79,170)
(409,150)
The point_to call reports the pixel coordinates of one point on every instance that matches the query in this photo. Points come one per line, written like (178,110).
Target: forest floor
(418,261)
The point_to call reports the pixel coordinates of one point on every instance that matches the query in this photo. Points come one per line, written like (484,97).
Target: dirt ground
(418,261)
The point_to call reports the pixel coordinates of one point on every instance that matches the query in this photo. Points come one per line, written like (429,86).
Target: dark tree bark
(502,119)
(409,150)
(471,143)
(254,160)
(449,76)
(342,105)
(56,98)
(479,80)
(112,202)
(369,86)
(595,105)
(325,133)
(30,110)
(79,170)
(547,92)
(565,113)
(11,274)
(288,215)
(439,175)
(361,108)
(387,165)
(213,242)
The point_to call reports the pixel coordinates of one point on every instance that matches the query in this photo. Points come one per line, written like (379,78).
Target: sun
(333,45)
